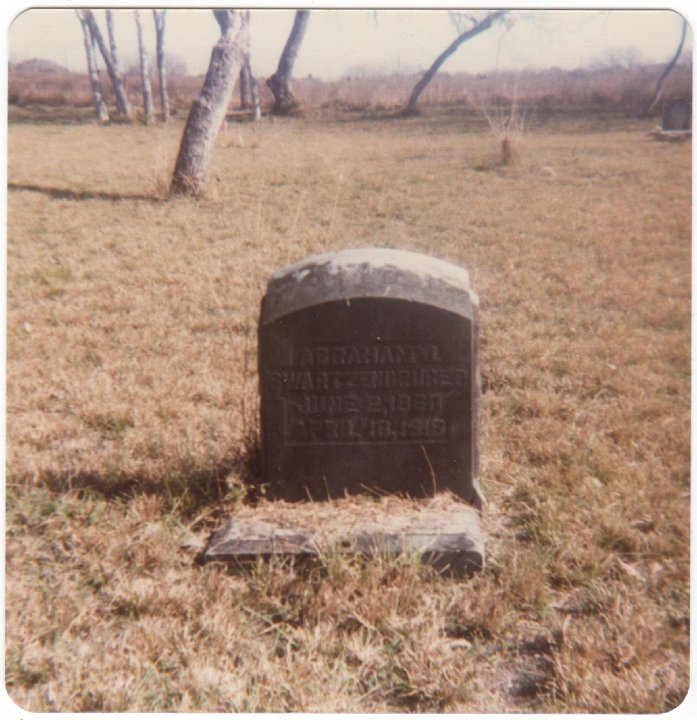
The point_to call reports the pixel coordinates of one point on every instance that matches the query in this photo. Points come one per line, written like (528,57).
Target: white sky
(339,41)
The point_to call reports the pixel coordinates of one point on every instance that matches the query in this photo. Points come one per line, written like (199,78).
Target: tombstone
(369,378)
(369,382)
(677,115)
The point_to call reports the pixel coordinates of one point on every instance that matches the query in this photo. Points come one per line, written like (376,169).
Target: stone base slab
(444,531)
(671,135)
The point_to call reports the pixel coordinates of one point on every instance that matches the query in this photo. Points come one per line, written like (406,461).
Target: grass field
(132,399)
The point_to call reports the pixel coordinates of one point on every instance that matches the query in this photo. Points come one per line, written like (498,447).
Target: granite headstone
(677,115)
(369,377)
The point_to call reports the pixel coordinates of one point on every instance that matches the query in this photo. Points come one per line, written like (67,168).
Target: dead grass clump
(506,120)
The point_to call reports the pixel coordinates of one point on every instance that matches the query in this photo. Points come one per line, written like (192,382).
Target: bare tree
(474,26)
(249,90)
(254,91)
(113,52)
(668,69)
(160,18)
(123,104)
(279,82)
(245,90)
(148,107)
(208,110)
(97,94)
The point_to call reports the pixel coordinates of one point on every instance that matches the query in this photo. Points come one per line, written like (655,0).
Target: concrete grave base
(443,531)
(671,135)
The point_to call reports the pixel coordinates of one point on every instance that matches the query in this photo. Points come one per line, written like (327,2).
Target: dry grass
(131,402)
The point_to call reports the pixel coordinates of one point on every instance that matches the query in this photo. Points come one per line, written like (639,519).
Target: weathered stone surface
(677,115)
(443,531)
(369,377)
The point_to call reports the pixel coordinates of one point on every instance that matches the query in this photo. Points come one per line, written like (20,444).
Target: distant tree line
(230,60)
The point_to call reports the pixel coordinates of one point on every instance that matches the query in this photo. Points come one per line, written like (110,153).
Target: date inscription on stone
(379,393)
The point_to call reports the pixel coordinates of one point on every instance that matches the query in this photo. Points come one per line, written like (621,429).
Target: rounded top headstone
(368,272)
(369,377)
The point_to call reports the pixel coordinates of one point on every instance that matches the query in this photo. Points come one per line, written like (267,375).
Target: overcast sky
(343,41)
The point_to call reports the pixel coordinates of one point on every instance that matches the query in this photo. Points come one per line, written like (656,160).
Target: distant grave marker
(677,115)
(369,377)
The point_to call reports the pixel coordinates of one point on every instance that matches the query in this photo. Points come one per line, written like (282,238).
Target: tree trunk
(123,104)
(279,83)
(112,41)
(420,86)
(245,102)
(160,16)
(254,89)
(667,71)
(97,94)
(208,110)
(249,91)
(148,108)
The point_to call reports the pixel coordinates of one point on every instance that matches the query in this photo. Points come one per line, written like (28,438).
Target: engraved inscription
(367,393)
(373,354)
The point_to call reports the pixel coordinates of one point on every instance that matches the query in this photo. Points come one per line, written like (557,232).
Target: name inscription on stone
(372,393)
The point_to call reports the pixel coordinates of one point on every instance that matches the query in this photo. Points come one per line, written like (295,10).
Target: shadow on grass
(65,194)
(188,490)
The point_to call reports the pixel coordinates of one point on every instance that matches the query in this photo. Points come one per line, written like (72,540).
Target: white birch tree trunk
(249,90)
(208,110)
(97,94)
(112,41)
(254,89)
(123,104)
(160,17)
(148,107)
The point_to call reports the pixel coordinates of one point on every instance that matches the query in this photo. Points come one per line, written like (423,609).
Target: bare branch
(481,25)
(668,69)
